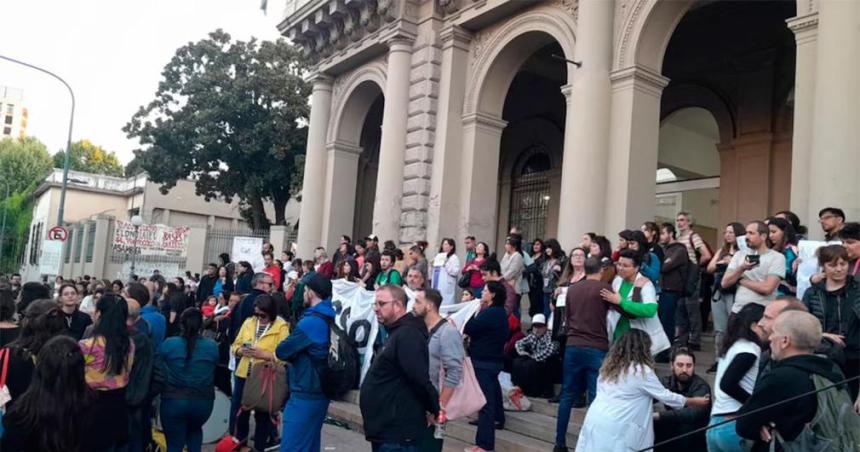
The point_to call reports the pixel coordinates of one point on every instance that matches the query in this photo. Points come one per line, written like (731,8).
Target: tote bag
(468,398)
(266,388)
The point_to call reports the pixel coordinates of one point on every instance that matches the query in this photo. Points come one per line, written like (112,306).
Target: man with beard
(671,423)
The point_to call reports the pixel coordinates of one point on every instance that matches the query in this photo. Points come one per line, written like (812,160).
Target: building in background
(97,204)
(13,114)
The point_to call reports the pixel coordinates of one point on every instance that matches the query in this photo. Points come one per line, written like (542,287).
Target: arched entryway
(353,157)
(734,59)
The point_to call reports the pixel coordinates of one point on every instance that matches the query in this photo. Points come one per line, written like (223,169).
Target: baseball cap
(372,237)
(539,319)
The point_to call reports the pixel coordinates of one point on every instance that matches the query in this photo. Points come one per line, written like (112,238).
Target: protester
(446,268)
(31,292)
(512,267)
(765,329)
(673,279)
(145,380)
(149,313)
(673,422)
(262,283)
(344,252)
(831,219)
(473,268)
(652,235)
(835,302)
(306,350)
(651,264)
(551,270)
(723,297)
(532,274)
(322,264)
(348,270)
(207,283)
(637,298)
(587,344)
(850,236)
(57,411)
(244,281)
(40,322)
(532,370)
(757,276)
(109,356)
(798,371)
(491,271)
(188,398)
(487,333)
(620,417)
(602,249)
(397,393)
(387,274)
(736,376)
(470,244)
(792,218)
(255,343)
(783,240)
(223,283)
(273,270)
(417,260)
(446,352)
(8,327)
(688,317)
(76,321)
(573,272)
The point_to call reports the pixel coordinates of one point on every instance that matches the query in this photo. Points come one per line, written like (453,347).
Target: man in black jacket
(671,423)
(207,283)
(793,341)
(397,394)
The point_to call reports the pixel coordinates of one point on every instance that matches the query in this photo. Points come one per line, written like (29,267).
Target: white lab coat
(445,280)
(652,325)
(620,418)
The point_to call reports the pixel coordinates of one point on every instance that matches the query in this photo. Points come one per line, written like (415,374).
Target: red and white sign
(58,233)
(152,239)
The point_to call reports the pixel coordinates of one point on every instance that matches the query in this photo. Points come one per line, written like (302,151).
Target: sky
(111,53)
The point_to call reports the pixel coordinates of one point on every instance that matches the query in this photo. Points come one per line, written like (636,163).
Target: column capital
(485,121)
(639,77)
(805,27)
(455,36)
(340,146)
(567,90)
(399,41)
(320,80)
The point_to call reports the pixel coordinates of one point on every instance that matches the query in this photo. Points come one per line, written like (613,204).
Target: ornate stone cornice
(323,27)
(455,36)
(485,121)
(344,147)
(639,77)
(805,27)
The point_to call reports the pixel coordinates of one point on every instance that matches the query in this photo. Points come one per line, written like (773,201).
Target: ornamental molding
(374,71)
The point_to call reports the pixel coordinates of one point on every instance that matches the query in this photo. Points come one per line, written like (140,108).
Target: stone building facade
(447,118)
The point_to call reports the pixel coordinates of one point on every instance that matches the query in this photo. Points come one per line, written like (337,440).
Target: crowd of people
(598,319)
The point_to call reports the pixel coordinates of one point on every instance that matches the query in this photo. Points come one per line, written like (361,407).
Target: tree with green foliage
(231,115)
(24,163)
(90,158)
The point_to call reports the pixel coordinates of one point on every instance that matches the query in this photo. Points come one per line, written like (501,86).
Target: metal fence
(221,241)
(530,204)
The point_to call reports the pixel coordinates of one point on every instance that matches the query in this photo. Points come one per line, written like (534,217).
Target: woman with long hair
(799,229)
(255,343)
(446,269)
(650,267)
(723,298)
(473,267)
(370,270)
(535,277)
(348,270)
(55,414)
(109,355)
(41,321)
(76,321)
(620,418)
(487,333)
(783,240)
(550,272)
(602,250)
(737,370)
(652,235)
(187,400)
(224,283)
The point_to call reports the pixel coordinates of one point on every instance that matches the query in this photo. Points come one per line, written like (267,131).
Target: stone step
(463,433)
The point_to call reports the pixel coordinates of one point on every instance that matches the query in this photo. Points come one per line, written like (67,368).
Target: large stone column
(341,182)
(635,129)
(833,177)
(313,189)
(445,179)
(586,137)
(389,182)
(805,30)
(482,138)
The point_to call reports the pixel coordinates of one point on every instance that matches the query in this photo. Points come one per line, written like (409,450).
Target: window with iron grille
(91,240)
(530,194)
(68,248)
(79,242)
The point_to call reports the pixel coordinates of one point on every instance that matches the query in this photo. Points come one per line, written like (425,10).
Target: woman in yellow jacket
(255,343)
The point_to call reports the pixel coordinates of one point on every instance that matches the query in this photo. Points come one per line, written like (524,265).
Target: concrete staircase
(532,431)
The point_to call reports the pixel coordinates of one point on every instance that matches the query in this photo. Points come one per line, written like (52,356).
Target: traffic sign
(58,233)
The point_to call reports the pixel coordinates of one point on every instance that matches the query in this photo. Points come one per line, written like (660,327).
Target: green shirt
(631,307)
(390,277)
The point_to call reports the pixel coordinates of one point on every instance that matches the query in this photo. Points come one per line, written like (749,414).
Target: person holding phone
(757,271)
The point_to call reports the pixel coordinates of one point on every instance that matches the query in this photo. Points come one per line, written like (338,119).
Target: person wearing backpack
(806,423)
(306,350)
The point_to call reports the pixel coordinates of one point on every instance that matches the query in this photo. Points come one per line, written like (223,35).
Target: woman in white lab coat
(620,418)
(446,268)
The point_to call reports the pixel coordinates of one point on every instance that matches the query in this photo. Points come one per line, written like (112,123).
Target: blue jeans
(393,447)
(264,429)
(580,369)
(666,308)
(723,438)
(303,420)
(182,421)
(493,411)
(547,300)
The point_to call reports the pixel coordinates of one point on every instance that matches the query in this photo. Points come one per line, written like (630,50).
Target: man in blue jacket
(306,349)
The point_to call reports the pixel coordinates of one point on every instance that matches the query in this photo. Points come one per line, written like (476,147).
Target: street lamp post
(62,208)
(136,221)
(3,225)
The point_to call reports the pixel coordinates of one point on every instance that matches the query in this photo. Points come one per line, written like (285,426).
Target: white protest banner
(353,306)
(150,239)
(145,269)
(248,249)
(51,258)
(808,264)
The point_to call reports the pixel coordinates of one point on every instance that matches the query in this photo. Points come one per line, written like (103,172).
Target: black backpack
(341,372)
(691,277)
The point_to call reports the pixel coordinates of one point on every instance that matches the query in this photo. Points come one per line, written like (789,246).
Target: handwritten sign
(150,240)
